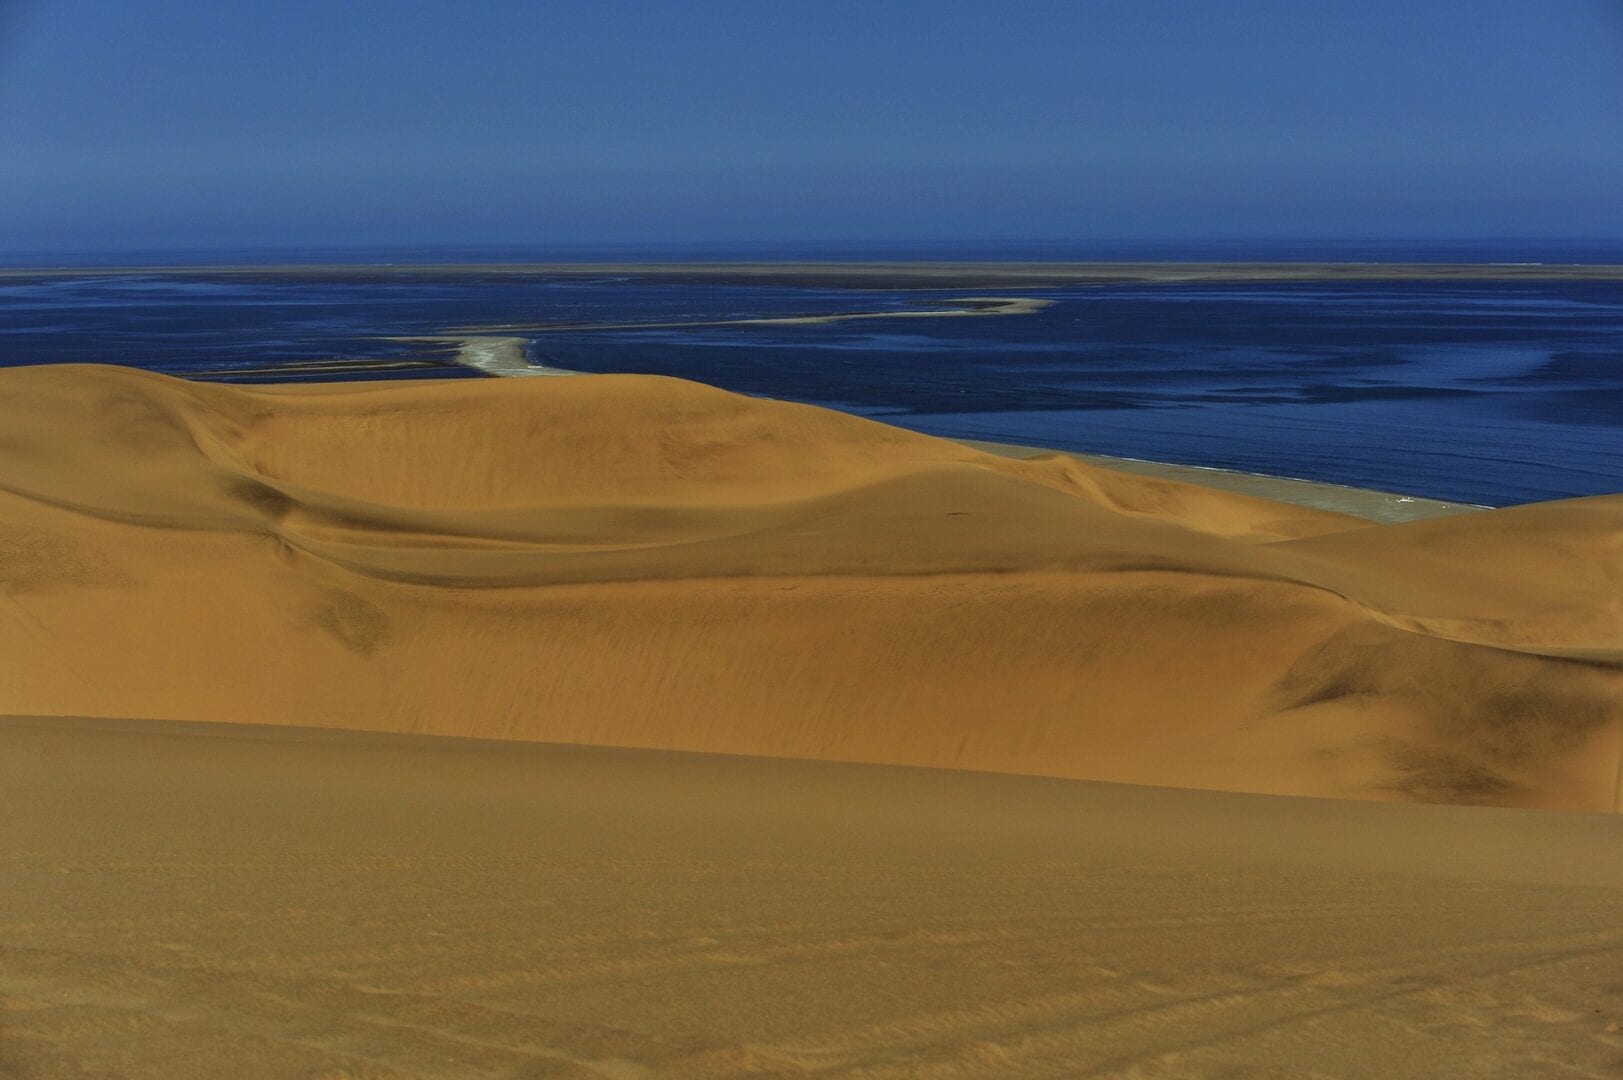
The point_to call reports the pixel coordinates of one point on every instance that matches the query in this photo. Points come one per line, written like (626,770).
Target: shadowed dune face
(638,561)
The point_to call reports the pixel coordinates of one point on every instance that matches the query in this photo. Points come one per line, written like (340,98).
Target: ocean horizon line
(1486,250)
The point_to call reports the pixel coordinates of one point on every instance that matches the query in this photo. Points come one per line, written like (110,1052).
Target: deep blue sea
(1486,392)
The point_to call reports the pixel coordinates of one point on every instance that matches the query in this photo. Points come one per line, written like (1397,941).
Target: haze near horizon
(164,125)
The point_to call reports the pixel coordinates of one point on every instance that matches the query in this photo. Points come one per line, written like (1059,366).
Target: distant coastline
(899,275)
(1587,248)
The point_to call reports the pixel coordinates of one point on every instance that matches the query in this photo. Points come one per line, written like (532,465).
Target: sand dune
(207,901)
(645,562)
(569,568)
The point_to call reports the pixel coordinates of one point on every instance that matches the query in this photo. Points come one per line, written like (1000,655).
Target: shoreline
(1372,504)
(505,357)
(502,357)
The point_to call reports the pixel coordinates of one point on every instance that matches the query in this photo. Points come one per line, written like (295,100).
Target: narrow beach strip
(1384,507)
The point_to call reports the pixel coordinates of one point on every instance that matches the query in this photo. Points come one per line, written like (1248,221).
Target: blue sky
(161,123)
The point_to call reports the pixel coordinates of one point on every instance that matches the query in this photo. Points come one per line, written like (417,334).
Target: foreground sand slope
(637,561)
(183,901)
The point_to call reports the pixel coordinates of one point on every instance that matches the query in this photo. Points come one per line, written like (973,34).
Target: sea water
(1485,392)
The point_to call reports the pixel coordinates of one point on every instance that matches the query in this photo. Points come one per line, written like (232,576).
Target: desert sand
(446,729)
(223,900)
(648,562)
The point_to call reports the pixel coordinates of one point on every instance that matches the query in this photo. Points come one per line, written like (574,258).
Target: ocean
(1489,392)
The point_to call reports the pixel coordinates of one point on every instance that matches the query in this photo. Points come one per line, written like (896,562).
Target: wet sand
(1382,506)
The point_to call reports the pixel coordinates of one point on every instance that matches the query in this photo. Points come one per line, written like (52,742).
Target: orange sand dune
(647,562)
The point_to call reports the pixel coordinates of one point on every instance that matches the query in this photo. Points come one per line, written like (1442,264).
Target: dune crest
(640,561)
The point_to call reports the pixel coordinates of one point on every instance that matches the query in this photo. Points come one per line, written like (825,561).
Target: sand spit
(649,562)
(965,307)
(201,901)
(495,350)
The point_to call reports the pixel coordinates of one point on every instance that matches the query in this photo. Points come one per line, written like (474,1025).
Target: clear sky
(131,124)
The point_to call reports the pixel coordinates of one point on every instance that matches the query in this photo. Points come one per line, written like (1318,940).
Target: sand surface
(496,613)
(219,900)
(648,562)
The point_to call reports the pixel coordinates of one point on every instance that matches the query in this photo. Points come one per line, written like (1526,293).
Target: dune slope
(646,562)
(200,900)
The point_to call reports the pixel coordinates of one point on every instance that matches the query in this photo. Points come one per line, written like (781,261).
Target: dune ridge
(647,562)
